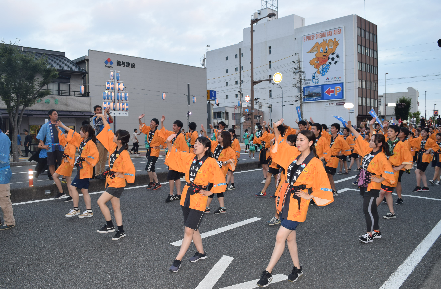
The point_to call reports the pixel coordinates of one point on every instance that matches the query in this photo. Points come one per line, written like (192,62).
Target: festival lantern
(82,89)
(105,95)
(117,76)
(111,75)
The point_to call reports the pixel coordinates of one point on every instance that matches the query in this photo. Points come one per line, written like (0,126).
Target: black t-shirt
(55,131)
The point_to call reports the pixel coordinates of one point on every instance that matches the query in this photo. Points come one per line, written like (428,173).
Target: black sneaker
(390,216)
(198,256)
(68,199)
(175,267)
(265,279)
(295,274)
(334,193)
(424,189)
(432,182)
(59,196)
(220,210)
(105,229)
(170,198)
(417,189)
(156,186)
(366,238)
(177,197)
(150,186)
(119,235)
(376,235)
(399,201)
(207,211)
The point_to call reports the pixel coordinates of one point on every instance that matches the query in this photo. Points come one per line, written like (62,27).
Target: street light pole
(385,102)
(425,105)
(254,21)
(282,96)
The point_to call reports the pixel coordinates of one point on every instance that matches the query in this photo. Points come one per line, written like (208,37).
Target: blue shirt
(46,134)
(98,127)
(5,149)
(19,139)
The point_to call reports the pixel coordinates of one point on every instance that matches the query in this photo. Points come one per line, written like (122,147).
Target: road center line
(253,284)
(343,180)
(400,275)
(221,230)
(215,273)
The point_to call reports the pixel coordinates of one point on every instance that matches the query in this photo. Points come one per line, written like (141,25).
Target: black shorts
(151,162)
(80,183)
(422,166)
(387,188)
(273,171)
(262,157)
(343,158)
(330,170)
(192,218)
(354,156)
(54,158)
(173,175)
(371,193)
(116,192)
(400,174)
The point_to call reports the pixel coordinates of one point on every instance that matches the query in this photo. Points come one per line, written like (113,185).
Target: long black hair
(311,137)
(379,138)
(87,128)
(207,144)
(124,137)
(226,139)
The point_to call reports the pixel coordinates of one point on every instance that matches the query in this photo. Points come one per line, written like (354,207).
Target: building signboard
(323,64)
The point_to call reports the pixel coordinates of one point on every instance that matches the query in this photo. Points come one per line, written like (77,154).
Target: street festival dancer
(154,142)
(5,179)
(121,170)
(305,180)
(200,170)
(98,125)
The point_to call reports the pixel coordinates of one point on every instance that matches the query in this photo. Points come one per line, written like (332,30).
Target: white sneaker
(86,214)
(73,213)
(253,158)
(262,182)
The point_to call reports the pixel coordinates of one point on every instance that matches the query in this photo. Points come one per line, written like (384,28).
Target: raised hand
(172,136)
(141,116)
(279,122)
(162,118)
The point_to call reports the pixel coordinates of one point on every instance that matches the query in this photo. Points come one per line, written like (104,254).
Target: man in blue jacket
(5,177)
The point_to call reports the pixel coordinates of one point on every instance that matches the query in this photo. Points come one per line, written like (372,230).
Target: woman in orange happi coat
(305,180)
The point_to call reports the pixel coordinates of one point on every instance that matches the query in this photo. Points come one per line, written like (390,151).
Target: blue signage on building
(324,92)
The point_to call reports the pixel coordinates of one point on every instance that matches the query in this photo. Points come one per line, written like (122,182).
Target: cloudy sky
(179,31)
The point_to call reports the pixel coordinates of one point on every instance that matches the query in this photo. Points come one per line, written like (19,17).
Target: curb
(141,179)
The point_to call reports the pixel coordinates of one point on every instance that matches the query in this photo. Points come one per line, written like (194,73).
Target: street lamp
(349,106)
(254,21)
(277,78)
(385,103)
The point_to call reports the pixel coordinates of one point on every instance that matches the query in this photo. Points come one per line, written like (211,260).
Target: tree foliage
(22,81)
(402,108)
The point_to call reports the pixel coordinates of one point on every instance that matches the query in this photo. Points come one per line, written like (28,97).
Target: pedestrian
(49,139)
(27,143)
(19,144)
(375,168)
(200,170)
(5,179)
(88,156)
(121,170)
(98,125)
(252,148)
(305,180)
(179,143)
(192,135)
(154,141)
(246,141)
(135,145)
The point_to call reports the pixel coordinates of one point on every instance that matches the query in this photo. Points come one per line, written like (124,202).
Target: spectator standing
(98,125)
(135,145)
(5,177)
(27,143)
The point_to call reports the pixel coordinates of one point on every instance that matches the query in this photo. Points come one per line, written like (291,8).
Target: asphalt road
(47,250)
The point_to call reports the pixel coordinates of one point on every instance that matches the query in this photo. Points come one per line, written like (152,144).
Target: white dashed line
(345,179)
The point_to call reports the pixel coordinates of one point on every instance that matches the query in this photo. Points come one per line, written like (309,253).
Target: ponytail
(124,137)
(379,138)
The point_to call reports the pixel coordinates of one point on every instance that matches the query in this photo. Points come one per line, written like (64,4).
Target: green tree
(403,107)
(416,115)
(22,81)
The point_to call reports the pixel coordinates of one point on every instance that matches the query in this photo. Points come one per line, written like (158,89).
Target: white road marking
(221,230)
(13,173)
(138,170)
(400,275)
(159,168)
(18,166)
(39,180)
(346,189)
(215,273)
(253,284)
(345,179)
(247,171)
(419,197)
(23,172)
(142,162)
(244,159)
(19,182)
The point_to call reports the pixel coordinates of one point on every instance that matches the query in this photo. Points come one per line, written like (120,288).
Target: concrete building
(393,97)
(146,81)
(65,96)
(346,72)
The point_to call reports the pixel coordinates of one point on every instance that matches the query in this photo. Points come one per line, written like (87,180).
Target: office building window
(226,58)
(358,31)
(241,67)
(360,101)
(269,64)
(236,69)
(226,96)
(226,70)
(242,54)
(269,49)
(359,83)
(236,82)
(270,93)
(226,83)
(236,95)
(359,48)
(235,56)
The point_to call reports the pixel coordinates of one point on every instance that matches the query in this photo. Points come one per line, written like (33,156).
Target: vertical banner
(298,113)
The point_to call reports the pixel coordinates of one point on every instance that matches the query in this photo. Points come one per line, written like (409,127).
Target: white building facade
(286,45)
(393,97)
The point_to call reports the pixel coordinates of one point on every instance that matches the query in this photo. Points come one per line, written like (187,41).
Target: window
(269,49)
(363,67)
(371,53)
(365,101)
(360,101)
(226,70)
(235,56)
(359,83)
(226,96)
(226,83)
(362,50)
(359,48)
(358,31)
(227,115)
(236,82)
(363,33)
(236,95)
(375,54)
(270,93)
(359,65)
(241,67)
(242,54)
(366,52)
(375,103)
(236,69)
(375,38)
(363,83)
(269,64)
(226,58)
(269,76)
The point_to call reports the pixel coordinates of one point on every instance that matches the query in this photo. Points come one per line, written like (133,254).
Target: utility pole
(240,94)
(425,105)
(188,101)
(299,84)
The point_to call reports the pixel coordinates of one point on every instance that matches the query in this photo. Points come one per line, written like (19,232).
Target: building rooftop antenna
(271,4)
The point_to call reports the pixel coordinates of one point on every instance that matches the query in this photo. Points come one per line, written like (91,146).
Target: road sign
(435,112)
